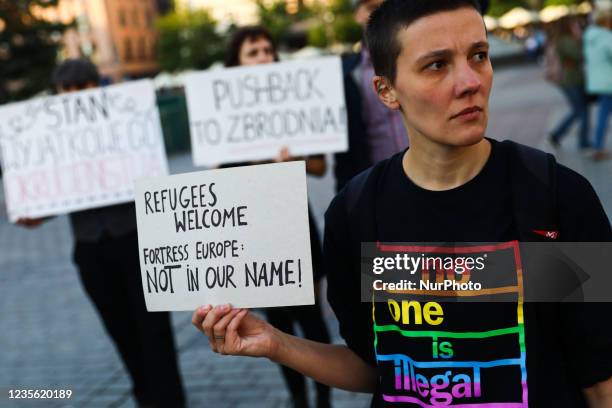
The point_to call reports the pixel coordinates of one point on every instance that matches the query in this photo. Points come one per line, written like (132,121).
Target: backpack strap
(353,190)
(361,209)
(534,193)
(533,181)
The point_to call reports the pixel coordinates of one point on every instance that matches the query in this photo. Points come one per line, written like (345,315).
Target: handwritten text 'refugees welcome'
(194,208)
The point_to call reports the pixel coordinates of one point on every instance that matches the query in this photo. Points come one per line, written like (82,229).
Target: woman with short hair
(452,187)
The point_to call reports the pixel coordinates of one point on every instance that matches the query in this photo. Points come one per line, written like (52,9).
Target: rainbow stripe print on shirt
(461,346)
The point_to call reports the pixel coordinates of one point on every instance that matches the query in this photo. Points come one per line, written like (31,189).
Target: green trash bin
(174,119)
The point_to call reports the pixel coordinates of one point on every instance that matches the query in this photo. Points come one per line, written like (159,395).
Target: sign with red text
(249,113)
(79,150)
(237,235)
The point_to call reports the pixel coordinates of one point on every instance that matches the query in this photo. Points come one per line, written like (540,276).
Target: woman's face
(254,51)
(444,78)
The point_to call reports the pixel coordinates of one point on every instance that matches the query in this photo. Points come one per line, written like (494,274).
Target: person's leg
(310,317)
(282,318)
(108,295)
(562,127)
(605,104)
(316,251)
(580,105)
(151,332)
(311,320)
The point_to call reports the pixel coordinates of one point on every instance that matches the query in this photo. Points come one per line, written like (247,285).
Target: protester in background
(535,43)
(566,41)
(106,254)
(598,56)
(254,45)
(374,132)
(452,186)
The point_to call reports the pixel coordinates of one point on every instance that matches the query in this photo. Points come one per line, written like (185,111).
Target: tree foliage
(498,8)
(28,49)
(336,24)
(188,40)
(275,16)
(560,2)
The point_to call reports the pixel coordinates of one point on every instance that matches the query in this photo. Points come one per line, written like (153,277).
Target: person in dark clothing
(453,192)
(374,132)
(106,254)
(253,45)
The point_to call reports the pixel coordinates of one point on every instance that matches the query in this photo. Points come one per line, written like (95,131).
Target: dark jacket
(357,158)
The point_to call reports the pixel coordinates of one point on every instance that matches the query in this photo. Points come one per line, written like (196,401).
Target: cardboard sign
(79,150)
(237,235)
(250,113)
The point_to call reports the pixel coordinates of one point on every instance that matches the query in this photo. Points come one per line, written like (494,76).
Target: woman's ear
(385,92)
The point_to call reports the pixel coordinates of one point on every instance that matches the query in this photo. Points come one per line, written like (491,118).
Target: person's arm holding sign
(315,165)
(239,332)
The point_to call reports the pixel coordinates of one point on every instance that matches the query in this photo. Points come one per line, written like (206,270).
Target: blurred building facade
(119,36)
(241,12)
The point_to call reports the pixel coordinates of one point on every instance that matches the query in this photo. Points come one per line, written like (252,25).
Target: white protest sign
(79,150)
(250,113)
(237,235)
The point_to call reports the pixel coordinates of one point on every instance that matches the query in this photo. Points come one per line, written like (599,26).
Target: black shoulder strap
(534,193)
(360,207)
(353,190)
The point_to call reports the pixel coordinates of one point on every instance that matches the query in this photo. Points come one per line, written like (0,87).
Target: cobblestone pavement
(50,336)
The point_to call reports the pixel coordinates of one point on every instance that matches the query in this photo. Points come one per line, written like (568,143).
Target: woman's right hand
(236,331)
(241,333)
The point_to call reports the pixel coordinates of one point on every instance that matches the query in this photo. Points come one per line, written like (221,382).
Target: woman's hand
(239,332)
(31,222)
(284,156)
(315,165)
(236,331)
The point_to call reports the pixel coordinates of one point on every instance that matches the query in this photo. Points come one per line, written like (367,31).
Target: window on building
(135,19)
(122,19)
(142,48)
(127,49)
(154,50)
(149,18)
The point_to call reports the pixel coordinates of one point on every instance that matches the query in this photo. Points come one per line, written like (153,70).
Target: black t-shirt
(510,354)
